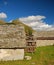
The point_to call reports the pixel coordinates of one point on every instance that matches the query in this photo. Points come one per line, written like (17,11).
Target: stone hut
(12,42)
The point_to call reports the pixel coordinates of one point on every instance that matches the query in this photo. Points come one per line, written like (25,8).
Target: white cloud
(3,15)
(37,22)
(32,18)
(10,21)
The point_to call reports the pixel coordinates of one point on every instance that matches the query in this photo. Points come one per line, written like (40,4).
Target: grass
(42,56)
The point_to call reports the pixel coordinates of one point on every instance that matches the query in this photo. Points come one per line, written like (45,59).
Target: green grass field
(42,56)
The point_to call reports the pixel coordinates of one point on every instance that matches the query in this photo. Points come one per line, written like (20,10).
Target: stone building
(44,38)
(12,42)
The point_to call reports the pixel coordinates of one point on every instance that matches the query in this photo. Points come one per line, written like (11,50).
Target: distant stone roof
(12,36)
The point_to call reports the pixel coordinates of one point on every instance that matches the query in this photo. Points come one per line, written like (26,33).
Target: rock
(28,57)
(33,63)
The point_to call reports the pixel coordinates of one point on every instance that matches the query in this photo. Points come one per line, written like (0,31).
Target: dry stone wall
(44,42)
(44,38)
(12,36)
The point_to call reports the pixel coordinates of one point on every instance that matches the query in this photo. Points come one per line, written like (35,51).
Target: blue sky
(25,8)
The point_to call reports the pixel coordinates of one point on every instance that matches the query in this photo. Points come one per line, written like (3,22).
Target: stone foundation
(11,54)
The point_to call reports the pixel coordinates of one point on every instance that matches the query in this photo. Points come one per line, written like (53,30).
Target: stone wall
(44,42)
(45,33)
(12,36)
(44,38)
(11,54)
